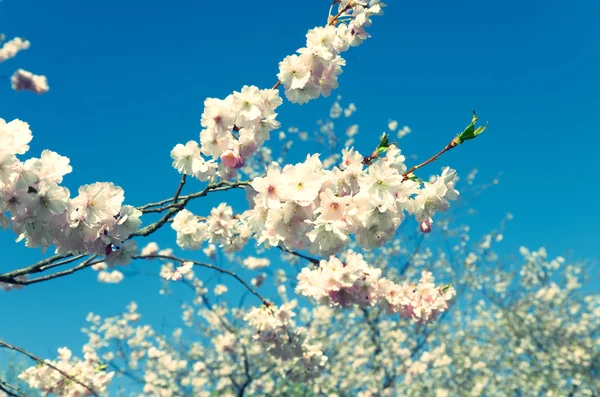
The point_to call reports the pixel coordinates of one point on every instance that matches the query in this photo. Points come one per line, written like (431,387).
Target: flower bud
(425,226)
(232,159)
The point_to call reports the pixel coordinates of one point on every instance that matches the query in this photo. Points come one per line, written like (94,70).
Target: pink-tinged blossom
(268,187)
(14,137)
(271,99)
(271,326)
(304,94)
(231,158)
(23,80)
(237,126)
(218,115)
(188,160)
(53,166)
(301,183)
(213,142)
(421,302)
(332,207)
(354,282)
(327,37)
(328,236)
(293,72)
(49,201)
(98,202)
(314,72)
(394,159)
(435,196)
(248,104)
(127,222)
(253,263)
(304,205)
(191,233)
(185,270)
(220,224)
(248,143)
(381,182)
(275,330)
(338,283)
(351,158)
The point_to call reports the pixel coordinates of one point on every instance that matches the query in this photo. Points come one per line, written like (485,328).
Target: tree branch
(11,390)
(208,266)
(43,362)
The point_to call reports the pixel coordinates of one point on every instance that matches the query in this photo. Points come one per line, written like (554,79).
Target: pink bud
(232,159)
(425,226)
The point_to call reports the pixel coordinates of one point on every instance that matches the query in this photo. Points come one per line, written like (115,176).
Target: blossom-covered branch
(52,377)
(322,210)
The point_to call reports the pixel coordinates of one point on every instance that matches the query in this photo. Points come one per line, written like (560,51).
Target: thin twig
(11,390)
(314,261)
(176,197)
(208,266)
(412,169)
(219,186)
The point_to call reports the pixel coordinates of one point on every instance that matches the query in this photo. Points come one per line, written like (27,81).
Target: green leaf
(471,132)
(101,367)
(381,150)
(384,142)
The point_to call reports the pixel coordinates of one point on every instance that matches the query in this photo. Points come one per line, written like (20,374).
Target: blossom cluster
(22,79)
(219,227)
(42,213)
(169,272)
(275,330)
(253,263)
(233,130)
(12,47)
(354,282)
(314,71)
(305,206)
(86,371)
(145,349)
(106,276)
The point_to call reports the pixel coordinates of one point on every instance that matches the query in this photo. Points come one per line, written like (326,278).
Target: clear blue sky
(128,80)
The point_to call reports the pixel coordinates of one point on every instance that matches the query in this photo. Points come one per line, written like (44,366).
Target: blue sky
(128,80)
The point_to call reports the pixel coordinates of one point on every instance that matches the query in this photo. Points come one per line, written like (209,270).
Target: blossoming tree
(520,327)
(332,213)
